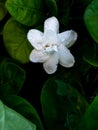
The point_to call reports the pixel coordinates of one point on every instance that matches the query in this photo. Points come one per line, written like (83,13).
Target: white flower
(51,47)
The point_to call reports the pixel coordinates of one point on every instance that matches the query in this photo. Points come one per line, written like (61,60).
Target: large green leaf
(28,12)
(3,11)
(90,119)
(23,107)
(62,105)
(15,41)
(11,120)
(91,19)
(11,78)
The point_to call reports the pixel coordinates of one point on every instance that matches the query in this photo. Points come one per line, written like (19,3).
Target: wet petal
(51,24)
(50,66)
(35,38)
(50,38)
(68,38)
(66,58)
(38,56)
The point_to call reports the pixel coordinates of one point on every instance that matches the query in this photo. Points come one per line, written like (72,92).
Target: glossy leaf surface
(90,119)
(23,107)
(91,19)
(62,105)
(27,12)
(11,120)
(15,41)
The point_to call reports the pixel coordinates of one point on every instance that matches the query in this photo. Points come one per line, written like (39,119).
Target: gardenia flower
(51,47)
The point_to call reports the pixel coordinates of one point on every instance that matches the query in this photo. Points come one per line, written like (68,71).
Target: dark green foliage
(27,12)
(12,78)
(51,7)
(23,107)
(3,11)
(11,120)
(62,105)
(91,19)
(90,119)
(67,96)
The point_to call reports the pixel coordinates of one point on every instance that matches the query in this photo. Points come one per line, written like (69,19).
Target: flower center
(50,48)
(50,42)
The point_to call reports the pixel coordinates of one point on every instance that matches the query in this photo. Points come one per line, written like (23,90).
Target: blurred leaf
(11,78)
(91,60)
(23,107)
(11,120)
(90,119)
(52,7)
(62,105)
(90,56)
(15,41)
(27,12)
(3,11)
(91,19)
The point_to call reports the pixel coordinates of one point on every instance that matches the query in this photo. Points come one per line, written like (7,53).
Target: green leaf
(11,78)
(3,11)
(11,120)
(90,56)
(90,119)
(62,105)
(91,60)
(91,19)
(23,107)
(52,7)
(27,12)
(15,41)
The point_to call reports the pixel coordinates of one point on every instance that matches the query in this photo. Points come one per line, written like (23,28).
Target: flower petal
(51,24)
(38,56)
(35,38)
(68,38)
(50,38)
(66,58)
(50,66)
